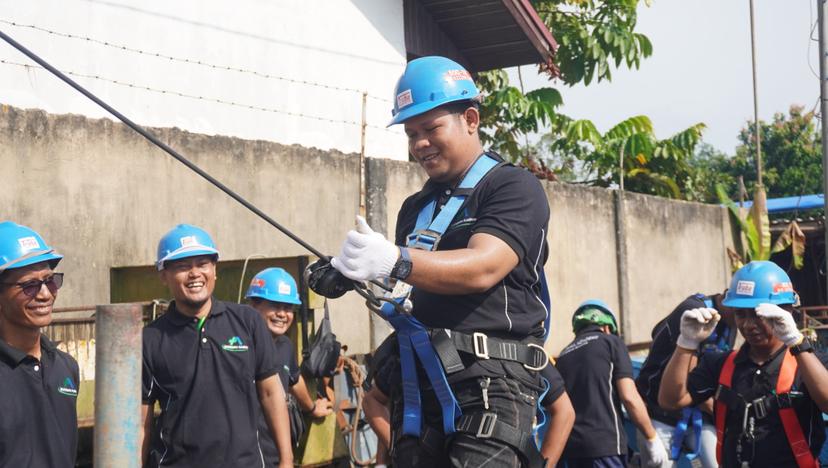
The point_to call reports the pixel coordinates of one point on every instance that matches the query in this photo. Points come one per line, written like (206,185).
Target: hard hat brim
(273,298)
(423,107)
(187,252)
(45,256)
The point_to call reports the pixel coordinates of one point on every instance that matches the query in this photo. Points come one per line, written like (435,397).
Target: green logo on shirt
(68,388)
(235,345)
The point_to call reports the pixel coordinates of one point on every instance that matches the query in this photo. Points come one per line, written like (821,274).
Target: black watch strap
(803,347)
(402,268)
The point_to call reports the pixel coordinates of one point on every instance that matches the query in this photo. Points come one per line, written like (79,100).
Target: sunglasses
(31,288)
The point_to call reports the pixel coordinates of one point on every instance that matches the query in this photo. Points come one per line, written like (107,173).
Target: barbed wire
(185,95)
(191,61)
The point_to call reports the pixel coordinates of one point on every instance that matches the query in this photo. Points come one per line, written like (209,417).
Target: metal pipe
(755,100)
(244,270)
(823,111)
(118,386)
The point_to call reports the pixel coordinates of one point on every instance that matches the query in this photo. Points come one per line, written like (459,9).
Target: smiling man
(38,382)
(472,244)
(771,393)
(209,364)
(273,293)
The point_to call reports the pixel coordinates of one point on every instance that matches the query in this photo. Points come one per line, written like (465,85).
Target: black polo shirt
(38,420)
(590,366)
(753,381)
(205,383)
(510,204)
(289,376)
(556,385)
(665,335)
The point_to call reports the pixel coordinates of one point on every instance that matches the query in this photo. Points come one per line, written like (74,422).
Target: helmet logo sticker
(458,75)
(745,288)
(284,288)
(404,99)
(782,287)
(257,283)
(28,243)
(188,241)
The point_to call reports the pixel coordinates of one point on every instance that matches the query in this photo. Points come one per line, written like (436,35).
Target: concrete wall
(104,197)
(313,58)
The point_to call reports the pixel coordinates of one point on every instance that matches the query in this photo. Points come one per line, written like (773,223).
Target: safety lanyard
(412,335)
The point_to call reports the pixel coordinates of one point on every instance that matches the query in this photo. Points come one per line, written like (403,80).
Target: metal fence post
(117,385)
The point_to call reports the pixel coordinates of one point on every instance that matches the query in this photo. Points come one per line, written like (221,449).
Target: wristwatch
(803,347)
(402,268)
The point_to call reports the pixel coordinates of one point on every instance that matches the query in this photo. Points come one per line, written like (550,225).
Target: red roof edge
(536,31)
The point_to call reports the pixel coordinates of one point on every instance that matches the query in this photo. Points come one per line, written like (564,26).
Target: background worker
(598,374)
(771,393)
(273,293)
(480,279)
(691,440)
(38,382)
(210,364)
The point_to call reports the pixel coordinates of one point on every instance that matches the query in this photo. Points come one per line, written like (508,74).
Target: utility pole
(756,100)
(823,110)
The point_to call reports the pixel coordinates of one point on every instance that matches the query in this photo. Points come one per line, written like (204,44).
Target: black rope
(149,136)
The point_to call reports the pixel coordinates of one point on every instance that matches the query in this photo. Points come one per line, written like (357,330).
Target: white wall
(356,44)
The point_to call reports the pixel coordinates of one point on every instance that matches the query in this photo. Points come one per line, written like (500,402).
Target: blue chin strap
(692,416)
(412,335)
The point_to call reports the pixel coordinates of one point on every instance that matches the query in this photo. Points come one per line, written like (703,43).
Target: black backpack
(321,356)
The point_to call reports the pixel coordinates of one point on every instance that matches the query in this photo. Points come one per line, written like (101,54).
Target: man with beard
(209,364)
(38,382)
(770,394)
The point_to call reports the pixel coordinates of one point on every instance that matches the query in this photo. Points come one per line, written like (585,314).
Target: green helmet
(594,312)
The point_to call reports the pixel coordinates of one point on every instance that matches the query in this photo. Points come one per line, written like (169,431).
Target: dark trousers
(612,461)
(512,398)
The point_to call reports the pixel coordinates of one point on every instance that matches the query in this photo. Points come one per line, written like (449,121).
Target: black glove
(326,280)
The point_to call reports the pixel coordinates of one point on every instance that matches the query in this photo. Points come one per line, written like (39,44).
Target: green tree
(791,156)
(595,36)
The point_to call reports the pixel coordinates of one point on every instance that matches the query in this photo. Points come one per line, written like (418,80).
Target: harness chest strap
(790,422)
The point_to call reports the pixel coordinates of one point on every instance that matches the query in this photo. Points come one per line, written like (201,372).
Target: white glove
(696,326)
(782,323)
(653,453)
(365,254)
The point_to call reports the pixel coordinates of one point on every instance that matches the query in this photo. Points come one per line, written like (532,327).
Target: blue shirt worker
(273,293)
(211,367)
(598,374)
(771,393)
(38,382)
(472,245)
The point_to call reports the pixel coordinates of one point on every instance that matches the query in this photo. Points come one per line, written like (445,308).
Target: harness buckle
(759,408)
(487,425)
(545,359)
(424,239)
(481,345)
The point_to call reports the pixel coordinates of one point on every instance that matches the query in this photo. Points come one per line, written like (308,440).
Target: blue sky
(700,70)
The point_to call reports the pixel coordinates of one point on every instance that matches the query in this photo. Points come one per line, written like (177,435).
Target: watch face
(403,270)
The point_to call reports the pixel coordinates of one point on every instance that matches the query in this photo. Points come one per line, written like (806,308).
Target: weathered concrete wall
(104,196)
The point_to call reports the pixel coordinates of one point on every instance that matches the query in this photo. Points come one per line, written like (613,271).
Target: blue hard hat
(274,284)
(759,282)
(580,317)
(183,241)
(430,82)
(21,246)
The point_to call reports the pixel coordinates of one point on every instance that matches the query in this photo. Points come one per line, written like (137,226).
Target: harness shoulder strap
(793,430)
(720,408)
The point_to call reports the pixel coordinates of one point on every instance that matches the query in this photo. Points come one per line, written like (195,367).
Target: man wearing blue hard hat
(597,370)
(771,393)
(274,294)
(467,260)
(210,364)
(38,382)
